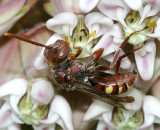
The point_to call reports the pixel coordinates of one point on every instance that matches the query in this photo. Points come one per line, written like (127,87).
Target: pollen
(66,39)
(109,89)
(153,24)
(92,34)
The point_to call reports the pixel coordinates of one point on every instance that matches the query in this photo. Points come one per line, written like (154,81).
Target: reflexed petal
(97,108)
(107,117)
(110,41)
(145,59)
(14,127)
(87,5)
(99,22)
(151,108)
(63,23)
(62,5)
(110,8)
(106,43)
(10,9)
(134,4)
(136,105)
(40,62)
(13,87)
(101,125)
(5,116)
(42,91)
(62,108)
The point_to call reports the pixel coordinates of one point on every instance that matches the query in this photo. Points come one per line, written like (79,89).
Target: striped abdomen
(113,83)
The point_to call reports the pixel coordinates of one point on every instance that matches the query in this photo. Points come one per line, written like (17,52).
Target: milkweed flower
(11,11)
(80,29)
(33,102)
(140,115)
(133,16)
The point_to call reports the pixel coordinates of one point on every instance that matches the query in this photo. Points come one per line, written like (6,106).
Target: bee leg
(120,48)
(96,55)
(123,56)
(97,68)
(74,56)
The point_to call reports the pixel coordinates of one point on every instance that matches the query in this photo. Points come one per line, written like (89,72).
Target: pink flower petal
(145,63)
(151,108)
(13,87)
(10,9)
(136,105)
(110,8)
(63,23)
(104,23)
(5,116)
(87,5)
(96,109)
(134,4)
(42,91)
(62,108)
(106,43)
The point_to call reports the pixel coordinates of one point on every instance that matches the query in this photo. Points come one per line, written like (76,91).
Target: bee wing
(100,95)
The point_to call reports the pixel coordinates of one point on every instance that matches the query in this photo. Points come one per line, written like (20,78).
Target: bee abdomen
(113,84)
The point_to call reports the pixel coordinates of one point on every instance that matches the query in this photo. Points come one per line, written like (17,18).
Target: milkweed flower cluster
(90,24)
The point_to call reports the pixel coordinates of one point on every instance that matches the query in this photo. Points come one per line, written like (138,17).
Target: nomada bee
(72,74)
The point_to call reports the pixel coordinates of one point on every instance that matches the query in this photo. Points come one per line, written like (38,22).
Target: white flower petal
(96,18)
(107,118)
(136,105)
(145,64)
(96,109)
(110,8)
(40,62)
(50,120)
(151,108)
(63,23)
(14,100)
(5,116)
(14,87)
(106,43)
(16,119)
(42,91)
(101,125)
(87,5)
(144,12)
(134,4)
(61,107)
(14,127)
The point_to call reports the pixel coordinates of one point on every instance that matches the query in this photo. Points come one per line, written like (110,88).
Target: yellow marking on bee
(120,90)
(128,86)
(92,34)
(109,89)
(153,24)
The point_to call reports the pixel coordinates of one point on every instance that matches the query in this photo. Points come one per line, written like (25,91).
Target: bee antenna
(26,40)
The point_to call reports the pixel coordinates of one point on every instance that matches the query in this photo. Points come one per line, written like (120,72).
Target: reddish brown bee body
(72,74)
(113,83)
